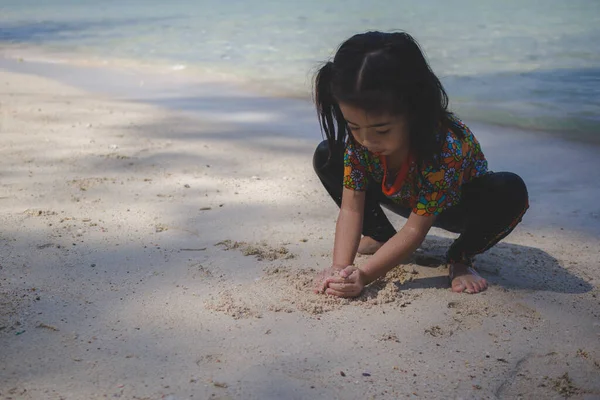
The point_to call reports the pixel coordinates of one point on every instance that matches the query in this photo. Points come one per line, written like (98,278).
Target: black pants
(490,207)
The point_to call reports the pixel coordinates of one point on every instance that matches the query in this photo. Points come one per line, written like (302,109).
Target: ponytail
(331,119)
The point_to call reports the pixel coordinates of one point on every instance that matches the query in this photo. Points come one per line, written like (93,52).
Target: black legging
(489,209)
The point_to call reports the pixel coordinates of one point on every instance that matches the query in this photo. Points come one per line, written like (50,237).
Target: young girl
(391,141)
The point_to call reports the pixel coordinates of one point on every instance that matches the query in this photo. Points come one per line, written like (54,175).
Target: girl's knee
(517,188)
(516,198)
(510,187)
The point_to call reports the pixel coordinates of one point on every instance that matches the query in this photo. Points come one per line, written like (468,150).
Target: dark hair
(384,73)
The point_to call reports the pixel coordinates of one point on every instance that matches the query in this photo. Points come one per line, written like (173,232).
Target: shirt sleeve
(442,188)
(355,168)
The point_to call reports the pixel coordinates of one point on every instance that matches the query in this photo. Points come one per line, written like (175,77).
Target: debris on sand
(261,250)
(387,289)
(228,304)
(437,331)
(581,353)
(389,337)
(39,213)
(46,326)
(160,228)
(564,386)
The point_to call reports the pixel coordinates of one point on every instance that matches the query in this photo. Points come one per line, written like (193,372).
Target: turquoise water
(526,63)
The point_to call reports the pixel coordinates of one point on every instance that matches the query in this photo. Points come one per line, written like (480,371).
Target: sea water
(527,63)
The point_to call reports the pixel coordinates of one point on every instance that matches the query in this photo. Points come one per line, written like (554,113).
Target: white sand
(112,286)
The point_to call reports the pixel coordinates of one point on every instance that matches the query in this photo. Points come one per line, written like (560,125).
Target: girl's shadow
(507,265)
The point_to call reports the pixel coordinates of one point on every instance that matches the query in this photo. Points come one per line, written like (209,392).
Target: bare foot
(466,279)
(368,245)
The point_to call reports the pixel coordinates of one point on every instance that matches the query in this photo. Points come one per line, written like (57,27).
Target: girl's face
(382,134)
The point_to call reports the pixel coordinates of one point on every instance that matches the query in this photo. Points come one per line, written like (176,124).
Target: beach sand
(150,252)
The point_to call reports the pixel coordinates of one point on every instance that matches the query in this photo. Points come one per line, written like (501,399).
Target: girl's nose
(367,141)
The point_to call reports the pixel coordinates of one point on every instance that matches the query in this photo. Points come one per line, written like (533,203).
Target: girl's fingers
(337,293)
(323,286)
(320,283)
(349,276)
(342,287)
(346,272)
(337,279)
(340,282)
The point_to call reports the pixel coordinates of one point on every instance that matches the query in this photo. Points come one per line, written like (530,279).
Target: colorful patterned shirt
(427,190)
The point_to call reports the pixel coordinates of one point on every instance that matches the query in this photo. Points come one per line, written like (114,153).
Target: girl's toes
(471,288)
(458,286)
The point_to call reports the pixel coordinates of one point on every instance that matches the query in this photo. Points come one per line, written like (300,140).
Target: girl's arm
(348,228)
(347,236)
(350,281)
(398,248)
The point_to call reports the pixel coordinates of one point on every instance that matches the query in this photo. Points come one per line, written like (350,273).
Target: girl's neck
(395,161)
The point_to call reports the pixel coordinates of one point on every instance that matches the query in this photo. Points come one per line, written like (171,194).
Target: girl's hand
(349,282)
(321,279)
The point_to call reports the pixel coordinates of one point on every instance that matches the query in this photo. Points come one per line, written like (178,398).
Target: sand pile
(283,288)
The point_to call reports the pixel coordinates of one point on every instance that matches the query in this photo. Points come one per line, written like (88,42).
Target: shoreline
(40,58)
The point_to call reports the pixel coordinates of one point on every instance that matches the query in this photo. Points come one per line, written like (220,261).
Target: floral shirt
(425,189)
